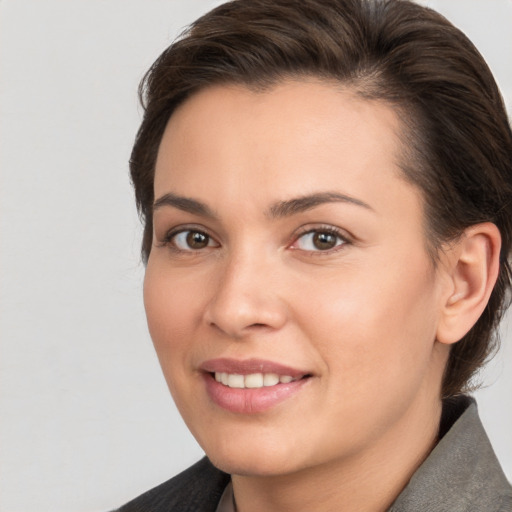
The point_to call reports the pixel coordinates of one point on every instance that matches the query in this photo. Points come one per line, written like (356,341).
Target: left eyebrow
(185,204)
(304,203)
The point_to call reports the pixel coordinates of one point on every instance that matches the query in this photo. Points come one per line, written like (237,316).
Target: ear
(472,266)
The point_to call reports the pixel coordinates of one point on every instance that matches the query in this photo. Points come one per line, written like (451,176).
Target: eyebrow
(185,204)
(307,202)
(280,209)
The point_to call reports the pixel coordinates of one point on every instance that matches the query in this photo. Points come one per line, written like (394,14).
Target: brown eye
(323,241)
(318,240)
(190,240)
(196,240)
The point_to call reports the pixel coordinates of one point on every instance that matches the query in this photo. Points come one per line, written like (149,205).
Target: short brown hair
(456,136)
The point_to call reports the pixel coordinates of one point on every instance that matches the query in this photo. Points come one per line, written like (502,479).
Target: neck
(366,482)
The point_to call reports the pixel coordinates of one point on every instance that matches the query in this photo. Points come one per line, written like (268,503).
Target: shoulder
(462,473)
(196,489)
(506,503)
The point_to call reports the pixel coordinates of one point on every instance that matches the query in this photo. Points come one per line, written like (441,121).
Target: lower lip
(253,400)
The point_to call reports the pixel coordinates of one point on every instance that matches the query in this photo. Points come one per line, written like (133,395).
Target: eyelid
(323,228)
(169,235)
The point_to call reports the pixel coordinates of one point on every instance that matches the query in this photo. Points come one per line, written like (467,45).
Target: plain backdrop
(86,421)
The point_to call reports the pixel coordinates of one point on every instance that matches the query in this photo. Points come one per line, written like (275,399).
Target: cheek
(172,314)
(171,311)
(373,328)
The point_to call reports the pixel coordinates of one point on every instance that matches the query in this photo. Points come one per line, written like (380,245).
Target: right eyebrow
(308,202)
(185,204)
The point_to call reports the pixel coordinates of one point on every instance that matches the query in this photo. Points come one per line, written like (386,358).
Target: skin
(361,317)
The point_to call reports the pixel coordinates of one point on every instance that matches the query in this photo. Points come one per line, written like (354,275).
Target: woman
(326,190)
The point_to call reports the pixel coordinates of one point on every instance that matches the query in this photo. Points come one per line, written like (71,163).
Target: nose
(246,298)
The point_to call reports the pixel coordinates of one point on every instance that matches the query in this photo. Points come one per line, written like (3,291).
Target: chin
(251,458)
(250,465)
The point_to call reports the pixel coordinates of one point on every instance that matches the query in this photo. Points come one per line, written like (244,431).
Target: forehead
(294,138)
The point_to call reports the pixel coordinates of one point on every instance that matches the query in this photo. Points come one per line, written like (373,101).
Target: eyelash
(329,230)
(170,237)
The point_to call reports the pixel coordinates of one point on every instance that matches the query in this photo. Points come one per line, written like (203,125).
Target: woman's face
(288,248)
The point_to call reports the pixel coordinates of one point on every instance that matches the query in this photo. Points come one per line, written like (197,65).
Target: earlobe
(472,267)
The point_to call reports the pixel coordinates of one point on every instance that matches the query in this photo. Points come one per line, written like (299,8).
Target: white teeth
(270,379)
(253,380)
(235,381)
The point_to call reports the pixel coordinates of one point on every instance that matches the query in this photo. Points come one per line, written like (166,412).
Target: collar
(462,473)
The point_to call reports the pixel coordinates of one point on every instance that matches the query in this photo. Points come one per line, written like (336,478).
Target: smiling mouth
(251,386)
(253,380)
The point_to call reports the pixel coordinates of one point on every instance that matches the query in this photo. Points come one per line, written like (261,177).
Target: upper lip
(248,366)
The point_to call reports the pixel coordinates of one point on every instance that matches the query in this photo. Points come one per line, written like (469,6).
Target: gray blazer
(461,474)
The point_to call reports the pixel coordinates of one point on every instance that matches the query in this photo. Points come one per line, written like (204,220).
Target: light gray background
(85,418)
